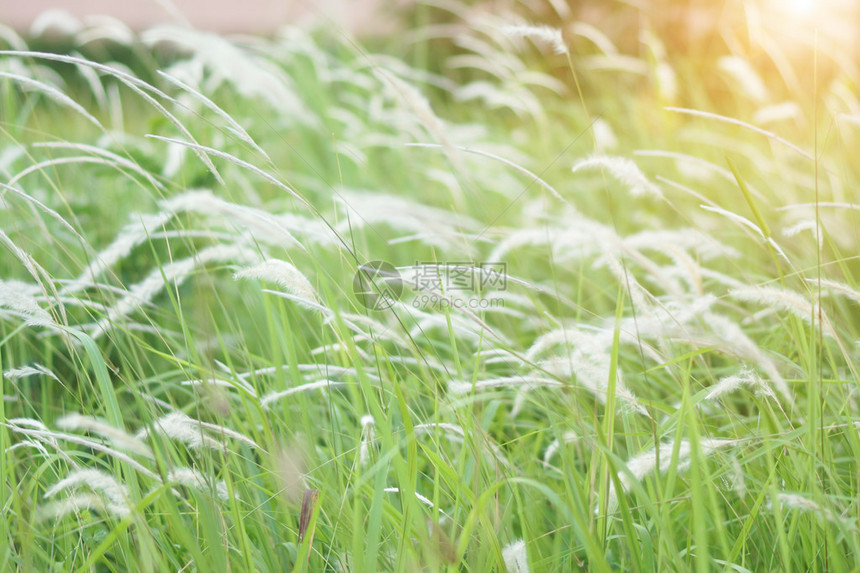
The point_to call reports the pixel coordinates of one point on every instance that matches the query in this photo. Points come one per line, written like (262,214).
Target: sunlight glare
(801,7)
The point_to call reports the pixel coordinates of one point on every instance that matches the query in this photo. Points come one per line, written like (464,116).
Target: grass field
(616,327)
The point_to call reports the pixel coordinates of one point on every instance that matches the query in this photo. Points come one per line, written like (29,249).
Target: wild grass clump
(622,334)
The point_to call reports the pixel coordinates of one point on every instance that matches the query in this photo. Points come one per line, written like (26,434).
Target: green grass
(655,387)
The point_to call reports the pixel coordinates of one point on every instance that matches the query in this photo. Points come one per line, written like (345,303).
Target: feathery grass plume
(745,377)
(367,423)
(9,155)
(55,22)
(529,381)
(456,434)
(604,137)
(37,430)
(517,99)
(192,478)
(77,503)
(837,288)
(554,446)
(129,237)
(788,110)
(542,36)
(116,436)
(515,557)
(232,124)
(643,464)
(581,239)
(113,493)
(737,478)
(114,159)
(587,358)
(624,170)
(138,86)
(733,337)
(787,300)
(222,383)
(466,324)
(101,28)
(436,226)
(12,38)
(745,76)
(418,496)
(182,428)
(53,93)
(265,227)
(595,36)
(249,74)
(744,222)
(745,125)
(290,465)
(175,272)
(802,503)
(267,400)
(810,225)
(42,278)
(285,275)
(25,371)
(532,176)
(18,299)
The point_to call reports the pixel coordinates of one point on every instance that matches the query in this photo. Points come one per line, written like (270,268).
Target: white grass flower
(114,493)
(788,110)
(182,428)
(175,272)
(737,478)
(192,478)
(25,371)
(735,339)
(745,76)
(624,170)
(556,444)
(745,377)
(515,557)
(129,237)
(739,123)
(783,299)
(52,93)
(587,358)
(268,399)
(418,496)
(456,434)
(802,503)
(117,437)
(101,28)
(643,464)
(667,81)
(543,36)
(19,299)
(529,381)
(55,21)
(604,136)
(367,424)
(250,74)
(595,36)
(78,503)
(287,276)
(439,227)
(837,287)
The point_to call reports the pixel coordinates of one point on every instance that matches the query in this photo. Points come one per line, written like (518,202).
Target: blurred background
(246,16)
